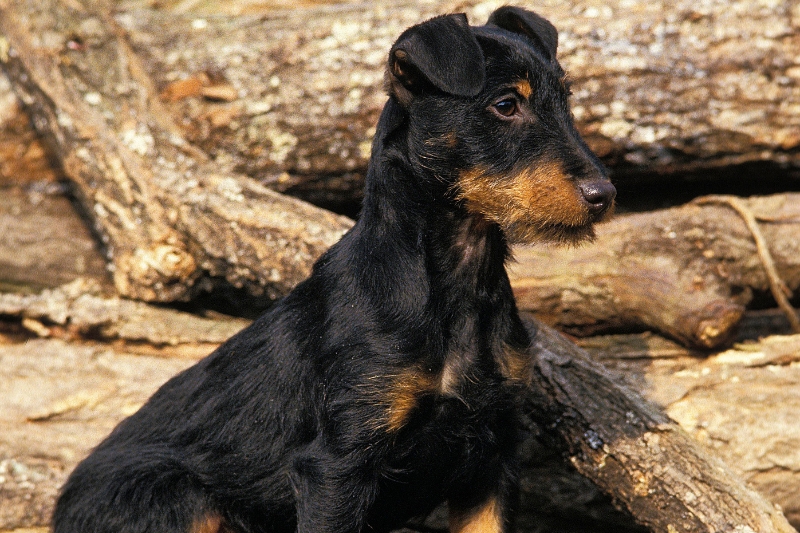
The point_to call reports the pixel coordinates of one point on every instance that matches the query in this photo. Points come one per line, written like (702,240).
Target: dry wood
(78,310)
(43,243)
(741,403)
(688,272)
(680,86)
(632,451)
(173,217)
(611,435)
(636,275)
(296,93)
(172,220)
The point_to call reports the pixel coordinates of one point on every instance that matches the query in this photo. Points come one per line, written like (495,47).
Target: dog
(384,384)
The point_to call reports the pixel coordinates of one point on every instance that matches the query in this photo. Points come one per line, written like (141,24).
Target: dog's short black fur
(382,385)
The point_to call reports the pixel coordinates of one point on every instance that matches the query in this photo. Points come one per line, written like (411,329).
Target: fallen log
(612,436)
(173,222)
(688,272)
(739,402)
(658,88)
(177,217)
(633,451)
(637,275)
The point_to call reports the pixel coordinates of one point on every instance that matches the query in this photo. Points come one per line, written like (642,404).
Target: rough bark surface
(646,462)
(636,275)
(741,403)
(659,86)
(169,217)
(169,200)
(291,93)
(688,272)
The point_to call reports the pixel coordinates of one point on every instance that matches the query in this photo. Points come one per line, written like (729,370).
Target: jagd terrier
(382,385)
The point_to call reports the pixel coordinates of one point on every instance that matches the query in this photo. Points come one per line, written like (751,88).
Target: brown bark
(688,272)
(636,275)
(741,403)
(171,219)
(43,243)
(298,102)
(665,87)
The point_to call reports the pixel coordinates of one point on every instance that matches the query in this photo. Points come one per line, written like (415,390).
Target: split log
(688,271)
(79,310)
(173,222)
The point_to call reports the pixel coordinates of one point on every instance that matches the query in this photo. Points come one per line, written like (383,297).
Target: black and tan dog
(383,384)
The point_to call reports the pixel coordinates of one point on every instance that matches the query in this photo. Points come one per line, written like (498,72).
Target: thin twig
(780,291)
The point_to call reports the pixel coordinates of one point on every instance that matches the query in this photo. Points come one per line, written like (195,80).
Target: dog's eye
(506,107)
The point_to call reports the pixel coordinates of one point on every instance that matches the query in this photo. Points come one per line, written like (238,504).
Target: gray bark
(659,86)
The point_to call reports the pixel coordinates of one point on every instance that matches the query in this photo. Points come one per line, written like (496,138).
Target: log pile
(177,132)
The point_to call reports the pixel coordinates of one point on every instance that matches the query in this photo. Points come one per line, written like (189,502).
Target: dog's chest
(446,442)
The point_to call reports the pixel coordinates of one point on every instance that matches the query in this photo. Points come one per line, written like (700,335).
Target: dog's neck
(428,246)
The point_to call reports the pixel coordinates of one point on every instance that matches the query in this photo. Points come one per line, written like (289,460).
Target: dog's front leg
(486,504)
(331,494)
(492,515)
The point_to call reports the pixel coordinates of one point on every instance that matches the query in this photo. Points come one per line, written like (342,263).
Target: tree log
(172,220)
(616,283)
(176,220)
(682,86)
(571,405)
(740,402)
(632,451)
(688,272)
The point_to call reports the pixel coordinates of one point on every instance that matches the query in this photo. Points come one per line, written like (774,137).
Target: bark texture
(154,115)
(688,272)
(740,402)
(646,462)
(659,86)
(172,221)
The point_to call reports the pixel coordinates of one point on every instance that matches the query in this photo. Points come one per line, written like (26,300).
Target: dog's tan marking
(209,523)
(524,88)
(484,519)
(527,203)
(515,365)
(404,396)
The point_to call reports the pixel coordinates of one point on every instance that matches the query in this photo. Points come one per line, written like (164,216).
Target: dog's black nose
(599,195)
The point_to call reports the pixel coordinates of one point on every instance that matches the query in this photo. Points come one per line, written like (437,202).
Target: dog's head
(489,119)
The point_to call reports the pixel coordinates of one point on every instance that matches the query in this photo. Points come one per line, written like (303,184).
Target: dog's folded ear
(514,19)
(441,53)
